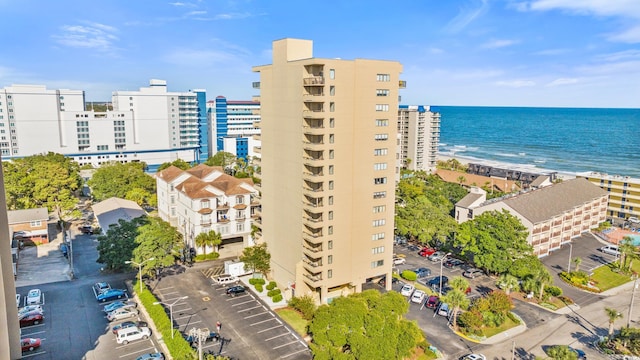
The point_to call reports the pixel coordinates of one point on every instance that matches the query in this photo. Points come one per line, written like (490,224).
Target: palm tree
(461,179)
(543,278)
(457,300)
(508,282)
(577,261)
(613,315)
(211,238)
(459,283)
(627,252)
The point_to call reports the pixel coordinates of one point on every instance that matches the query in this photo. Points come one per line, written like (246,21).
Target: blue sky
(567,53)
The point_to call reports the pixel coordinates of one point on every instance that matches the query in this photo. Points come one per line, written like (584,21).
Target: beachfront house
(552,214)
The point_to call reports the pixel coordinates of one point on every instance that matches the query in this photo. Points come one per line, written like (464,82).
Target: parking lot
(249,328)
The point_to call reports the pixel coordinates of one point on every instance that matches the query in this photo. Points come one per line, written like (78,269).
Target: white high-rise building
(150,125)
(418,137)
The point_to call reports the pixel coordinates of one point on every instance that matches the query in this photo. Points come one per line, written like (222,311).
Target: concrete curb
(154,331)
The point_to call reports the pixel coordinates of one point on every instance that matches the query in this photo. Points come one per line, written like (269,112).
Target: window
(173,211)
(331,185)
(379,209)
(330,154)
(330,215)
(380,152)
(378,236)
(375,264)
(240,199)
(382,107)
(379,222)
(330,200)
(332,106)
(377,250)
(380,181)
(332,122)
(330,259)
(379,194)
(240,214)
(331,138)
(330,169)
(329,273)
(382,137)
(382,92)
(332,90)
(36,223)
(380,166)
(330,230)
(330,244)
(382,122)
(204,204)
(332,74)
(240,227)
(383,77)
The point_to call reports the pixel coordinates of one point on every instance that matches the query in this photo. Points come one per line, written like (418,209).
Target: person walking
(218,326)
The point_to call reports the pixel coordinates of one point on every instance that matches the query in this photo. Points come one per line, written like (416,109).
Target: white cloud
(495,44)
(91,35)
(562,81)
(467,15)
(515,83)
(434,50)
(621,55)
(476,74)
(233,16)
(551,52)
(631,36)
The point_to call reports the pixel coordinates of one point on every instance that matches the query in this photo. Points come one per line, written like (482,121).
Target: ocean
(562,139)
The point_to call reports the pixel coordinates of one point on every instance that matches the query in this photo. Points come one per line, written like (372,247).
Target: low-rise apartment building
(624,193)
(553,214)
(204,198)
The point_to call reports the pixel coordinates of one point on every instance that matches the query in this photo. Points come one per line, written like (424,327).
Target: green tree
(208,239)
(179,163)
(159,240)
(613,315)
(115,179)
(422,220)
(461,180)
(457,300)
(495,239)
(508,282)
(257,258)
(561,352)
(525,266)
(117,245)
(577,261)
(542,278)
(459,283)
(221,158)
(627,253)
(368,325)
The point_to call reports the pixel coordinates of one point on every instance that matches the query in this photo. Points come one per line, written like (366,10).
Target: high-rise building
(235,125)
(150,125)
(328,130)
(418,136)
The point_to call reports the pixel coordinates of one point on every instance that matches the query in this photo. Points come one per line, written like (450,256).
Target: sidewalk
(42,264)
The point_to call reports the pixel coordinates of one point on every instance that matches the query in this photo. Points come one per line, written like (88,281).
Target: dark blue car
(422,272)
(111,294)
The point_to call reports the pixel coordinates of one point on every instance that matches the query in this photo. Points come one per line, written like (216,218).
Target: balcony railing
(313,81)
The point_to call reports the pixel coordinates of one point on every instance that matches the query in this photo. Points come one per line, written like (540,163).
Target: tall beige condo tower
(328,131)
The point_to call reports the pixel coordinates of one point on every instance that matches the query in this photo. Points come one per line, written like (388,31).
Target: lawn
(605,278)
(508,324)
(294,319)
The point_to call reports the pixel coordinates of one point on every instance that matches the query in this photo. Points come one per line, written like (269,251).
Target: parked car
(413,248)
(407,290)
(131,334)
(426,252)
(433,301)
(121,314)
(452,262)
(100,287)
(212,336)
(32,318)
(399,261)
(151,356)
(436,281)
(383,281)
(443,309)
(437,256)
(86,229)
(474,357)
(30,344)
(418,296)
(224,279)
(30,308)
(111,294)
(128,324)
(473,273)
(581,354)
(611,250)
(235,290)
(422,272)
(119,305)
(34,296)
(64,249)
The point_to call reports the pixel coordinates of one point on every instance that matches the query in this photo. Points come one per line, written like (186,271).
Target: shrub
(210,256)
(252,281)
(305,304)
(553,290)
(277,298)
(258,287)
(272,285)
(409,275)
(273,292)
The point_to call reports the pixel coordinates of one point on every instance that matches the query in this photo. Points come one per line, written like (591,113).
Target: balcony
(205,222)
(256,84)
(223,206)
(313,130)
(257,149)
(312,176)
(313,280)
(313,114)
(313,81)
(313,238)
(223,220)
(312,266)
(312,251)
(257,137)
(312,222)
(313,146)
(313,192)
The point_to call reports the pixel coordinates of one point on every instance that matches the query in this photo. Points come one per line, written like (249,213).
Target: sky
(551,53)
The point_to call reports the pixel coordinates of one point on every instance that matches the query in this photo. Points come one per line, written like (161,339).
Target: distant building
(204,198)
(111,211)
(473,180)
(328,132)
(418,137)
(150,125)
(524,176)
(624,193)
(235,126)
(30,225)
(553,214)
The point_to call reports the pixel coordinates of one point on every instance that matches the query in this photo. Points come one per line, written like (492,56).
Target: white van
(224,279)
(611,250)
(124,336)
(634,220)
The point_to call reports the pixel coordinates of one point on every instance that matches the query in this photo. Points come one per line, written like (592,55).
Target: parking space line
(33,354)
(33,333)
(293,353)
(271,328)
(246,302)
(255,307)
(263,321)
(250,316)
(277,336)
(182,317)
(163,289)
(236,297)
(283,345)
(146,350)
(165,297)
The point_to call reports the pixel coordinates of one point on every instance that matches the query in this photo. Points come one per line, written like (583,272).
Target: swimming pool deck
(618,234)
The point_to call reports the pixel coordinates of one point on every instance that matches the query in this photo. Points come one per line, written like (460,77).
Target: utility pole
(633,295)
(199,335)
(513,350)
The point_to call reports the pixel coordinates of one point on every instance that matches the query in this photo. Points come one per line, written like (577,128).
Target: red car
(426,251)
(433,302)
(29,344)
(32,318)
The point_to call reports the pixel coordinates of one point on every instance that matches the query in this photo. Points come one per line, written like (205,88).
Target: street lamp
(171,309)
(570,250)
(139,265)
(441,262)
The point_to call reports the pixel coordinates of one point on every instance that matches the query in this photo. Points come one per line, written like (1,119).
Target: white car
(418,296)
(475,357)
(399,260)
(407,290)
(29,308)
(33,297)
(611,250)
(120,314)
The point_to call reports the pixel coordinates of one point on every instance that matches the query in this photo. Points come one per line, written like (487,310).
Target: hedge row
(254,281)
